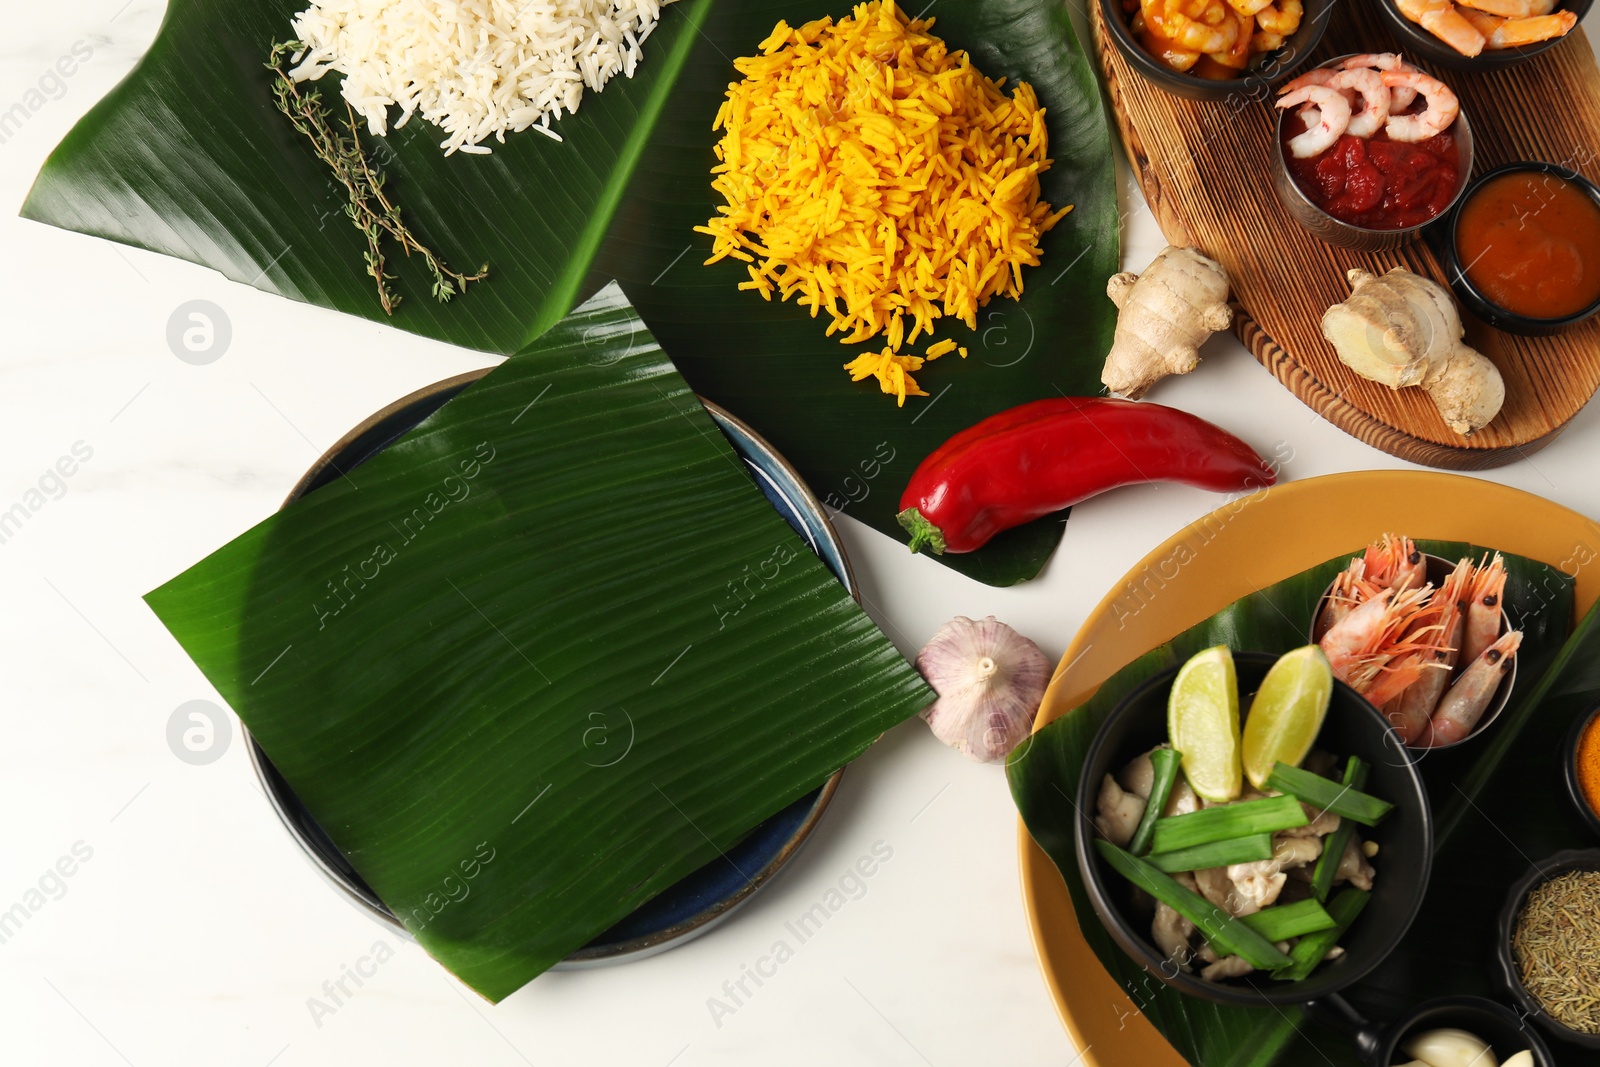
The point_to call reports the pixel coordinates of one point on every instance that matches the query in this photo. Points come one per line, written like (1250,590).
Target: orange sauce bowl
(1522,248)
(1580,748)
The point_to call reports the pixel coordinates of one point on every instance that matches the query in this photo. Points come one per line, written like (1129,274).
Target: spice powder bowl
(1510,974)
(1587,801)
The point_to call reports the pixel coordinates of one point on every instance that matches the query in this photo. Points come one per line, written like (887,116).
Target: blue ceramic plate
(710,894)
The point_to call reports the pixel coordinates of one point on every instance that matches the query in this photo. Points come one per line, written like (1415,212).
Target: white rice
(474,68)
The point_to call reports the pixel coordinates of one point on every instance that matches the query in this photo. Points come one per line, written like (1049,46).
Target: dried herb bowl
(704,898)
(1353,727)
(1509,976)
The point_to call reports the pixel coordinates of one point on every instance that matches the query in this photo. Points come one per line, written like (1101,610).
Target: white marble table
(190,930)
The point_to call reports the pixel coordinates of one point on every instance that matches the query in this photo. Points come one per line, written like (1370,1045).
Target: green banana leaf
(189,157)
(422,648)
(1449,948)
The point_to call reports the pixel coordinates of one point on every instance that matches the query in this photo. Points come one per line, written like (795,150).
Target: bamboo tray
(1205,169)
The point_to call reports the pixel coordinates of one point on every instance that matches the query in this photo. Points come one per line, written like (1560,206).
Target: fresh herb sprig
(368,206)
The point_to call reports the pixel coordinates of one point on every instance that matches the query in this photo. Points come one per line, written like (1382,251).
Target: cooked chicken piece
(1353,866)
(1290,852)
(1138,777)
(1319,823)
(1172,931)
(1118,813)
(1214,884)
(1207,954)
(1255,886)
(1226,967)
(1182,800)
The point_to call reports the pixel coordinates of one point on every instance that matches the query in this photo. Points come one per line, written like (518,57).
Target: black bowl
(1569,764)
(1255,83)
(1378,1044)
(1471,297)
(1585,859)
(1353,727)
(1417,42)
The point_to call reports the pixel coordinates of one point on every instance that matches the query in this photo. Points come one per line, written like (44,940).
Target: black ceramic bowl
(1405,839)
(1336,231)
(1257,80)
(1586,859)
(1379,1044)
(1471,297)
(1569,765)
(1416,42)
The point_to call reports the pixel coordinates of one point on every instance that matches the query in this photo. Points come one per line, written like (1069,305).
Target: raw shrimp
(1332,116)
(1483,609)
(1391,562)
(1434,119)
(1349,590)
(1367,84)
(1464,704)
(1399,99)
(1443,19)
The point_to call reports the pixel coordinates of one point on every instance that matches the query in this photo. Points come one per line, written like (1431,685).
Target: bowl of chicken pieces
(1389,861)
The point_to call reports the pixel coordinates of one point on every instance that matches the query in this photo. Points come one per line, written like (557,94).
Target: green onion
(1310,950)
(1355,776)
(1227,937)
(1165,761)
(1228,821)
(1290,920)
(1216,854)
(1344,801)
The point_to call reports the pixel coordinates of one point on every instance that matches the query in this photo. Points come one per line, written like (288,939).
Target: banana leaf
(189,157)
(424,648)
(1449,947)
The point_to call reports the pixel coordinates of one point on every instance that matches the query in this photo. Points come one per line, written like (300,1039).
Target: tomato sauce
(1531,244)
(1377,183)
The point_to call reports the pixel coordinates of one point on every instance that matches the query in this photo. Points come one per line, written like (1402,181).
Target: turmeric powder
(1588,761)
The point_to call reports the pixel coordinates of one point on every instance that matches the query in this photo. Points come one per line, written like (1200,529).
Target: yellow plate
(1243,547)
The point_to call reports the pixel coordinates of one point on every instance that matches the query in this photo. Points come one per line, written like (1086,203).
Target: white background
(196,933)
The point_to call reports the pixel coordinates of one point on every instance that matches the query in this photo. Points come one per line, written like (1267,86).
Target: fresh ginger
(1401,329)
(1164,316)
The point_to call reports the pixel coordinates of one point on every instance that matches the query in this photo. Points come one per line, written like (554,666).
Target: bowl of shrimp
(1390,861)
(1215,49)
(1481,34)
(1369,150)
(1424,639)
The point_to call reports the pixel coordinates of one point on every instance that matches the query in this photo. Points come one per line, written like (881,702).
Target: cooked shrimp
(1514,33)
(1248,8)
(1483,608)
(1410,714)
(1281,16)
(1512,9)
(1368,640)
(1262,41)
(1314,76)
(1482,21)
(1442,109)
(1443,19)
(1169,19)
(1348,591)
(1390,562)
(1324,123)
(1399,98)
(1368,86)
(1467,699)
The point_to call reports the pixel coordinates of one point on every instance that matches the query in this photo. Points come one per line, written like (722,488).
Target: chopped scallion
(1165,761)
(1215,854)
(1227,821)
(1344,801)
(1312,949)
(1290,920)
(1333,846)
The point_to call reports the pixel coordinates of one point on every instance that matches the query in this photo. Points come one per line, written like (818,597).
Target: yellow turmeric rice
(872,173)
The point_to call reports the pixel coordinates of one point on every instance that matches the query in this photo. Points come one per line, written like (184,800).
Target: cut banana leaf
(426,647)
(1472,871)
(189,157)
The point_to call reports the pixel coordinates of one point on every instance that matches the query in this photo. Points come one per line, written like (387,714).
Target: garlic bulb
(990,680)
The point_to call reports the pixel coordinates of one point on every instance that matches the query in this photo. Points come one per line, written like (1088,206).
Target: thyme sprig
(367,205)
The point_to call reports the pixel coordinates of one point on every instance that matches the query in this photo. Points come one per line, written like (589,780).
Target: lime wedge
(1287,712)
(1203,723)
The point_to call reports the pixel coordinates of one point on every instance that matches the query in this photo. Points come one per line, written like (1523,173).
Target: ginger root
(1403,330)
(1164,316)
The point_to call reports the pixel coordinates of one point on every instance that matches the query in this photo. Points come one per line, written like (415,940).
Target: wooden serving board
(1206,170)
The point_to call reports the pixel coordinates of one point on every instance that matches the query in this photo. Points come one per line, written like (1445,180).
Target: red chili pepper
(1041,457)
